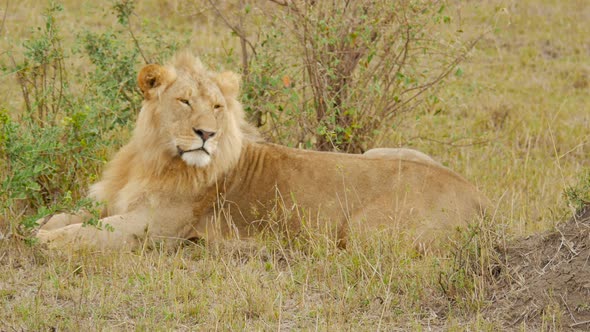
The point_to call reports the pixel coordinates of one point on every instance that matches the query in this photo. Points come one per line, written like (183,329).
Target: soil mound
(549,278)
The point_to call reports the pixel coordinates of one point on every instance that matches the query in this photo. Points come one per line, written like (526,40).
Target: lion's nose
(203,134)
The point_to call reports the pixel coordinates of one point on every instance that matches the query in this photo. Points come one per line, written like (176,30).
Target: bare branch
(136,42)
(283,3)
(4,18)
(453,143)
(233,28)
(361,62)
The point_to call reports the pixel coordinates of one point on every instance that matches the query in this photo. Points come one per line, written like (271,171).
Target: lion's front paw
(51,239)
(43,237)
(58,238)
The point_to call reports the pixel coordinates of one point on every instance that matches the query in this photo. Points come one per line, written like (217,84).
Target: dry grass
(231,287)
(515,123)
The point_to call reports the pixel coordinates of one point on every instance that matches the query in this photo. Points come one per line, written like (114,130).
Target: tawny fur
(161,185)
(400,153)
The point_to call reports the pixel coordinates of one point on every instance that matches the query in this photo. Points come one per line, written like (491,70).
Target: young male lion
(194,169)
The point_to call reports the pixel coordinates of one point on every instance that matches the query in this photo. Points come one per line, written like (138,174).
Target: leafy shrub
(113,79)
(58,145)
(113,82)
(334,74)
(578,195)
(46,150)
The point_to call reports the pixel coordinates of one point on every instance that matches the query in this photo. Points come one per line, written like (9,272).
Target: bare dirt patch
(549,278)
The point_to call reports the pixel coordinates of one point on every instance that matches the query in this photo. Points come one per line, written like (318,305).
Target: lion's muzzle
(203,134)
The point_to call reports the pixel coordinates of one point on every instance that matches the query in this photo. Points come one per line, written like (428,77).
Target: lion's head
(190,113)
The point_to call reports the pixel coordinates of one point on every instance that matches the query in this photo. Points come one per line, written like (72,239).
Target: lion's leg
(117,232)
(63,219)
(122,231)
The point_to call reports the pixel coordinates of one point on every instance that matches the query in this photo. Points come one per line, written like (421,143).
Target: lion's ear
(151,77)
(229,83)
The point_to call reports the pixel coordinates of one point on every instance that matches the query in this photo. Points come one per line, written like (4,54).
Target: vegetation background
(496,90)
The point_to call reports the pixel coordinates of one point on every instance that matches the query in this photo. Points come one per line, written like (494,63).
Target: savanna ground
(513,120)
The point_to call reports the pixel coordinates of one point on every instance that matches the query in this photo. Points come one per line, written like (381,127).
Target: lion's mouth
(181,151)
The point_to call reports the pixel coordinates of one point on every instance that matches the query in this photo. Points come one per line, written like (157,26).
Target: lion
(195,169)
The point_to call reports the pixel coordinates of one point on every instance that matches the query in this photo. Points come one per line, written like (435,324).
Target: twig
(45,220)
(4,323)
(568,308)
(452,142)
(280,3)
(245,61)
(520,317)
(135,41)
(580,323)
(233,28)
(4,18)
(23,85)
(393,107)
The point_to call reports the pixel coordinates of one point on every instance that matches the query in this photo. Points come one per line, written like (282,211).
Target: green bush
(46,150)
(55,147)
(578,195)
(115,54)
(334,74)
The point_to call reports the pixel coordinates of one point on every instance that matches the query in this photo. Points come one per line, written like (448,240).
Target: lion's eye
(217,107)
(184,101)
